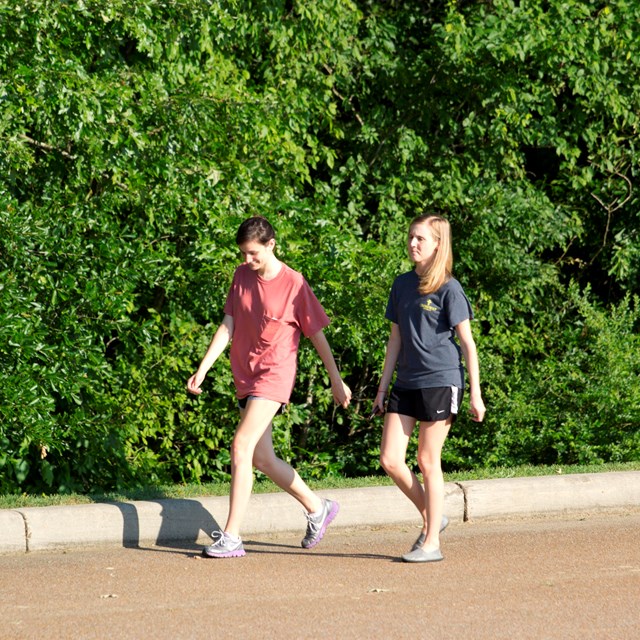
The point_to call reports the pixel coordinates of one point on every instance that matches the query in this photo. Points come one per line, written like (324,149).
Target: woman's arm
(390,360)
(468,346)
(341,392)
(220,340)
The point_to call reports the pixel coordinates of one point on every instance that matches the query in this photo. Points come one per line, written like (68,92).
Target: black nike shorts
(426,405)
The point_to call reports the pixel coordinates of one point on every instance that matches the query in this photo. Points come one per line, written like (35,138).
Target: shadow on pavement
(252,546)
(181,522)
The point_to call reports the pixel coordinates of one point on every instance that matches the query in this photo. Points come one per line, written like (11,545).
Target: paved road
(575,576)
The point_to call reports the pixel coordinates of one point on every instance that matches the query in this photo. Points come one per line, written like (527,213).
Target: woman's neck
(271,269)
(421,268)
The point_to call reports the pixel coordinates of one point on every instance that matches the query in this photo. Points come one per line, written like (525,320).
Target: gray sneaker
(423,536)
(224,547)
(420,555)
(317,525)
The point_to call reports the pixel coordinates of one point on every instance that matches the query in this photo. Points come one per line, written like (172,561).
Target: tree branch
(47,147)
(610,208)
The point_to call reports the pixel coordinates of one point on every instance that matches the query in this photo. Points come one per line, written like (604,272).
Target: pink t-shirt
(268,318)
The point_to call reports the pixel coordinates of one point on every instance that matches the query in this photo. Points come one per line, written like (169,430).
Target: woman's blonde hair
(440,270)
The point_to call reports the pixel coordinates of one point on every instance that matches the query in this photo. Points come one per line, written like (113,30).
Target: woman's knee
(241,451)
(391,463)
(428,466)
(263,462)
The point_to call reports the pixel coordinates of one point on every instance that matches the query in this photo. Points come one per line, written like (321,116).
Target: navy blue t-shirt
(429,355)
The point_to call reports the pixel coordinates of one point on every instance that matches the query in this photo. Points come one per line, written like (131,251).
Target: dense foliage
(136,136)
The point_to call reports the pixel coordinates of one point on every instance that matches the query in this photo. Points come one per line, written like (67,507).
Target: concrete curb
(552,494)
(192,520)
(13,535)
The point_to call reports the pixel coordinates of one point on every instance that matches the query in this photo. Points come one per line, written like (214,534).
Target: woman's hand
(341,393)
(378,407)
(477,408)
(194,382)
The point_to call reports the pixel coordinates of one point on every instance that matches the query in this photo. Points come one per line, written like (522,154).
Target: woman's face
(256,254)
(421,244)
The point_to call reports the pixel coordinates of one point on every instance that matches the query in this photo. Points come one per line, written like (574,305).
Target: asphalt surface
(559,576)
(548,557)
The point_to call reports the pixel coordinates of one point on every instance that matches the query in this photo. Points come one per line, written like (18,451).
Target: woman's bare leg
(430,443)
(393,452)
(283,474)
(255,419)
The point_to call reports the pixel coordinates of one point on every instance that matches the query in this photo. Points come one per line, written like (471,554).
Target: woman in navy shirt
(428,310)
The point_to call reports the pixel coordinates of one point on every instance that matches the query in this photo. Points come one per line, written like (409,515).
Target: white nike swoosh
(441,411)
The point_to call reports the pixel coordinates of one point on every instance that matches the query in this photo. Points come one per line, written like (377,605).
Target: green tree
(136,138)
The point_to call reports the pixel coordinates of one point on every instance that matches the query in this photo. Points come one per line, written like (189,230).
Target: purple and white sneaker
(317,523)
(224,546)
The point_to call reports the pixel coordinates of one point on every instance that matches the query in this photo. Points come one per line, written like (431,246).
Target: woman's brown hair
(256,229)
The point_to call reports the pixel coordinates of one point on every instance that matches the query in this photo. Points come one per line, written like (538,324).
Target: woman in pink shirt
(268,307)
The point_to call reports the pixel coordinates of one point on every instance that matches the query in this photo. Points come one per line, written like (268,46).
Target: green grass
(263,485)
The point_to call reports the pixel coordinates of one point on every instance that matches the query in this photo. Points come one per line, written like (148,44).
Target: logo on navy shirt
(429,306)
